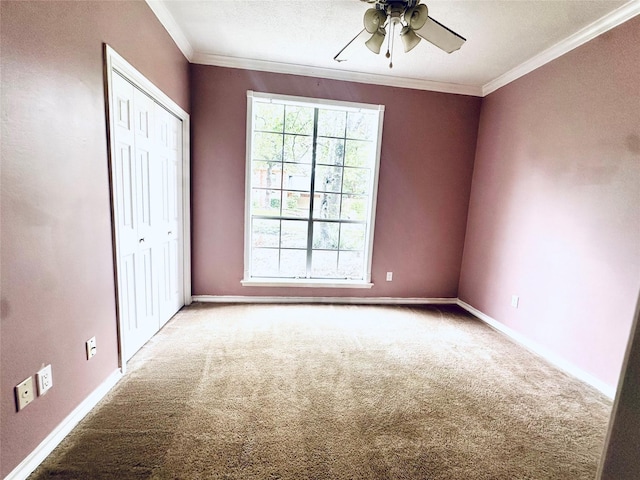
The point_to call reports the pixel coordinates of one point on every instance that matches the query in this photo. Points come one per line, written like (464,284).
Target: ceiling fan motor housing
(394,5)
(396,10)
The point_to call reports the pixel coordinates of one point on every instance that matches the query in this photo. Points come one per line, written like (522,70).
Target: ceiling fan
(409,17)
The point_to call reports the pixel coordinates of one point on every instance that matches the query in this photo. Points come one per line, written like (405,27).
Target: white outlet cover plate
(45,379)
(24,393)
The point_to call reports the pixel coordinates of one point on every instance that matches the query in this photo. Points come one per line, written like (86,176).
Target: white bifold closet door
(147,207)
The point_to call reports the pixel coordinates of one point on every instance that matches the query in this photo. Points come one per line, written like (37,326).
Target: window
(312,175)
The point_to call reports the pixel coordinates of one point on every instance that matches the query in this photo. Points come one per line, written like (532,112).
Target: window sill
(309,283)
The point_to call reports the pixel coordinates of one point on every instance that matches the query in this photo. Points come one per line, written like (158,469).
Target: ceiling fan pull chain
(388,54)
(391,42)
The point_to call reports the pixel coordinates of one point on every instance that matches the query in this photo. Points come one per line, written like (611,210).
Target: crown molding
(166,19)
(604,24)
(171,26)
(329,73)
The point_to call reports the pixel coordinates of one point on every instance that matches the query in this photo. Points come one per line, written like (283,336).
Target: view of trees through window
(312,171)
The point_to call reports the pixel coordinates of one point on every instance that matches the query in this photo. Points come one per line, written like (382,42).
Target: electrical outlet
(44,379)
(24,393)
(91,348)
(515,300)
(389,276)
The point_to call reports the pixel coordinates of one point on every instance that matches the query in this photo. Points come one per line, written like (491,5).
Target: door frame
(116,63)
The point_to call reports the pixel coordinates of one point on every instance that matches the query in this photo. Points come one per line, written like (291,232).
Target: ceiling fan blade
(343,55)
(441,36)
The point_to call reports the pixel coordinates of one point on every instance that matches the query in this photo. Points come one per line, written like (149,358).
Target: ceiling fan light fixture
(373,20)
(409,38)
(375,42)
(416,17)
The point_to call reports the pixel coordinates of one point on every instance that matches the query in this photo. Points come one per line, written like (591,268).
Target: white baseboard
(554,359)
(333,300)
(35,458)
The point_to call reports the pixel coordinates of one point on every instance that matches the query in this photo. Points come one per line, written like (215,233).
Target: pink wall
(57,272)
(554,215)
(425,174)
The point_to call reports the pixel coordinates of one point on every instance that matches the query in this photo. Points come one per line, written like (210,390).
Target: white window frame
(305,282)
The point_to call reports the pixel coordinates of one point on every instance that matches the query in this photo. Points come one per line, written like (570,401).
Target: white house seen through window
(312,169)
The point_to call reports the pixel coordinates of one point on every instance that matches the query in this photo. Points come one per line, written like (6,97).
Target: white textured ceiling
(302,36)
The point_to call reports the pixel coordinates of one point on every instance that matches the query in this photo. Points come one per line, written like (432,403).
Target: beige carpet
(336,392)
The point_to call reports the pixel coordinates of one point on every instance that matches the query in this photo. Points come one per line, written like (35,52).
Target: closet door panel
(169,157)
(124,165)
(144,119)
